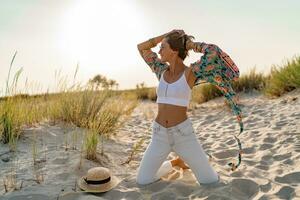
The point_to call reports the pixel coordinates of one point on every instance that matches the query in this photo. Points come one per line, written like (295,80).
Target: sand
(270,168)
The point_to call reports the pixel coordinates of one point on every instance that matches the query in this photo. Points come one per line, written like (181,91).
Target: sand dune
(270,168)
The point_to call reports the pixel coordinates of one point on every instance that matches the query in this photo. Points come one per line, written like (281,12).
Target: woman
(172,130)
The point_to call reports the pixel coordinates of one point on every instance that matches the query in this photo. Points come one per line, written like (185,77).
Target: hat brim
(98,188)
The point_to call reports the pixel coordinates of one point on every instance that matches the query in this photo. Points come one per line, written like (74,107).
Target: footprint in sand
(251,120)
(258,111)
(280,157)
(286,192)
(225,154)
(249,150)
(289,140)
(204,122)
(281,123)
(297,146)
(275,127)
(230,142)
(237,174)
(266,187)
(288,162)
(262,167)
(265,146)
(249,162)
(266,157)
(254,132)
(269,162)
(246,187)
(232,127)
(295,114)
(225,124)
(270,140)
(290,178)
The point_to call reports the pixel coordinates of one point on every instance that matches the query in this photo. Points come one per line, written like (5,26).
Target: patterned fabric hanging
(217,68)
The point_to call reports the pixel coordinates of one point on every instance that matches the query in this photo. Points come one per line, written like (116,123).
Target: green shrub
(152,94)
(284,78)
(205,92)
(97,110)
(90,144)
(141,91)
(250,81)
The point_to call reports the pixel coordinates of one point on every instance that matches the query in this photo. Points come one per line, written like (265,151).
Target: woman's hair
(177,42)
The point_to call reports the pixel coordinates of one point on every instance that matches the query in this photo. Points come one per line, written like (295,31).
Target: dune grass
(99,111)
(284,78)
(205,92)
(9,123)
(142,92)
(250,81)
(90,145)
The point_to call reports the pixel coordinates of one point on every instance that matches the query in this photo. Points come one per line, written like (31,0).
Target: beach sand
(270,166)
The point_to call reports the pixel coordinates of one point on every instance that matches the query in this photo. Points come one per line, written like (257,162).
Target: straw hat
(98,179)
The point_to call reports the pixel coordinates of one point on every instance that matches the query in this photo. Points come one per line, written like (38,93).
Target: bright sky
(55,35)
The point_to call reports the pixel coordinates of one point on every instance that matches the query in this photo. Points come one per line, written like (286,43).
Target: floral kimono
(215,67)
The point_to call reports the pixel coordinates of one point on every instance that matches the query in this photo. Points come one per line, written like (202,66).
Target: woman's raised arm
(151,57)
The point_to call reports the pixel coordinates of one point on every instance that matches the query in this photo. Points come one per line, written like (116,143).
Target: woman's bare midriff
(170,115)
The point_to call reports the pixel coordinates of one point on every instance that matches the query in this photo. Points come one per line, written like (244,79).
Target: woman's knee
(212,181)
(142,180)
(142,177)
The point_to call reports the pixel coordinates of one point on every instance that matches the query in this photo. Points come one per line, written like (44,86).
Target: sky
(54,36)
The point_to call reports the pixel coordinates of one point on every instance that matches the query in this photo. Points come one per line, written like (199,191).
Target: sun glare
(92,30)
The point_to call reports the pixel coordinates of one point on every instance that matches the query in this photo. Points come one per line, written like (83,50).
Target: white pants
(183,141)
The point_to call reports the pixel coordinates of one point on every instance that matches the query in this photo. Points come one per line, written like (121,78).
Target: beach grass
(9,124)
(251,80)
(90,145)
(99,111)
(283,78)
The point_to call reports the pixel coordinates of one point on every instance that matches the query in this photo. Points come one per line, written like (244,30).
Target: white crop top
(176,93)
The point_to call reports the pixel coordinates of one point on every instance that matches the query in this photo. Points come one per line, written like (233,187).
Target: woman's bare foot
(180,163)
